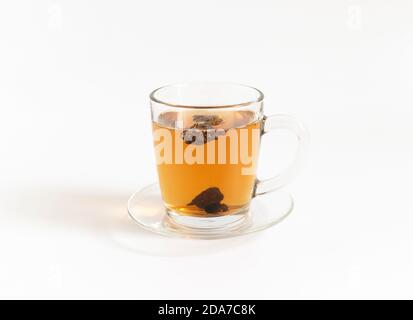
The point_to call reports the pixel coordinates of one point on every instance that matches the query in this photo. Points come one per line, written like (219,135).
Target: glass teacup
(207,140)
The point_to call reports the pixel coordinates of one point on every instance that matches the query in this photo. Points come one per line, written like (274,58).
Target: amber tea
(206,160)
(207,138)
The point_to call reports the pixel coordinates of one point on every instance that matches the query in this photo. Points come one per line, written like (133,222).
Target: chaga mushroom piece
(224,207)
(210,201)
(193,135)
(210,120)
(203,131)
(213,208)
(200,136)
(206,197)
(216,207)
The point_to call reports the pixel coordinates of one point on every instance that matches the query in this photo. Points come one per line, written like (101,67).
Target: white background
(75,142)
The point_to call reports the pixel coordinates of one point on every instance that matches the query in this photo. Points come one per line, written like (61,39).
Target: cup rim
(259,98)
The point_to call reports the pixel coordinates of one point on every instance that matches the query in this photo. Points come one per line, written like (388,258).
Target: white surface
(75,143)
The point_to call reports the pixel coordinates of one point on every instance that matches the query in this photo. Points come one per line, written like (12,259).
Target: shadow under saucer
(101,215)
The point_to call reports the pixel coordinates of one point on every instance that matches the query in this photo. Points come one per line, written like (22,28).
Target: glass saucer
(147,209)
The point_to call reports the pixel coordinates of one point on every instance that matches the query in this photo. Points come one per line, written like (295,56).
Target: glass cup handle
(283,122)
